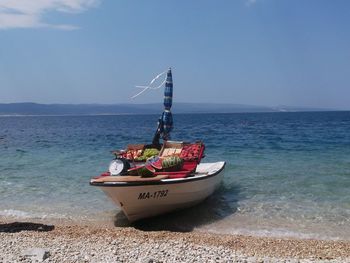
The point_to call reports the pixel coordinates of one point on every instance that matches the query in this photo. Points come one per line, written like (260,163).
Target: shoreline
(67,241)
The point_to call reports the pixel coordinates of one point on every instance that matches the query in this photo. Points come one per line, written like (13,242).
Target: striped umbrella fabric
(167,117)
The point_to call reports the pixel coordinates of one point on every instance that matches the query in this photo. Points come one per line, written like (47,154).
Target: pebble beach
(72,242)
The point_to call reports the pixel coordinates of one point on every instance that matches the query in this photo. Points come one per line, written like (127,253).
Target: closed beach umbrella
(167,117)
(165,122)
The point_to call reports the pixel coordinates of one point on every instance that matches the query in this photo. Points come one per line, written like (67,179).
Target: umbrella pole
(156,136)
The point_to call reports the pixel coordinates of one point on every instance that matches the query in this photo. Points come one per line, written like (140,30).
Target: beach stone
(36,254)
(5,259)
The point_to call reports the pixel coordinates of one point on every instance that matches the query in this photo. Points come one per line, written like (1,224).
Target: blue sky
(262,52)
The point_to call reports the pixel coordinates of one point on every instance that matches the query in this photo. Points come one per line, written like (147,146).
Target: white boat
(146,182)
(141,199)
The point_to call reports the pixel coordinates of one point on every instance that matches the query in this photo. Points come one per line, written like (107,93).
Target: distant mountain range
(30,108)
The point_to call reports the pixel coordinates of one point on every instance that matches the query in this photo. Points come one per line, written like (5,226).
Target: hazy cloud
(29,13)
(250,2)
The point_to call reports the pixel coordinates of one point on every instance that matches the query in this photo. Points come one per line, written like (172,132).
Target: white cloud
(29,13)
(250,2)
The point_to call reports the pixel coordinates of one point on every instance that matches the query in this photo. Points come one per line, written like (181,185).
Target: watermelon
(144,172)
(140,171)
(148,153)
(173,163)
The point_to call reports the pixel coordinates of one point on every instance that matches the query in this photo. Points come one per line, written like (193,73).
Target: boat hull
(146,200)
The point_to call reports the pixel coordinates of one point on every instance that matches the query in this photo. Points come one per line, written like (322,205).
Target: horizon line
(181,102)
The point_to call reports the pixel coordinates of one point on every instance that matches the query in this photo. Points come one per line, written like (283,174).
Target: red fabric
(187,169)
(189,166)
(106,174)
(172,175)
(179,175)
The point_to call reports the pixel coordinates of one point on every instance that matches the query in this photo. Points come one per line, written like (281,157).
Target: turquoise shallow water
(287,174)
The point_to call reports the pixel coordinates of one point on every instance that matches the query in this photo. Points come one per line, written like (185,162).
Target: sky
(255,52)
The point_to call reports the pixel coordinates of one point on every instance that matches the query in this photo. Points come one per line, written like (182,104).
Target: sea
(287,173)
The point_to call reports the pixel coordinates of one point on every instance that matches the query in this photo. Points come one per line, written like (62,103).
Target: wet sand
(72,242)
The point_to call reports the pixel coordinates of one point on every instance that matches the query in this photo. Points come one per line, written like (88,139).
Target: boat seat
(187,169)
(173,175)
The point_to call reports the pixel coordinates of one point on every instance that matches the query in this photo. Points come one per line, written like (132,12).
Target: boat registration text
(154,195)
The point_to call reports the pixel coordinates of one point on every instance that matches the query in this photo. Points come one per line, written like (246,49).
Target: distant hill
(30,108)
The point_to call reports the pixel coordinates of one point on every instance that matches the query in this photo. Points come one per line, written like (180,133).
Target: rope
(149,85)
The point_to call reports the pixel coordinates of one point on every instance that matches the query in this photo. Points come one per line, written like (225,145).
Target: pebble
(35,254)
(93,244)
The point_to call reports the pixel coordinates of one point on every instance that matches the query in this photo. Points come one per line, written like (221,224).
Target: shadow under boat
(223,203)
(25,226)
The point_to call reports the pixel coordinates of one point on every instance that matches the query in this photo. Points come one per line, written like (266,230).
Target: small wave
(14,213)
(19,214)
(277,233)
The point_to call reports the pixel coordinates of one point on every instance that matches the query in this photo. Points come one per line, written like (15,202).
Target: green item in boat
(144,172)
(147,153)
(172,163)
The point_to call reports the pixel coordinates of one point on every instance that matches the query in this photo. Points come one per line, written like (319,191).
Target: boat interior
(174,160)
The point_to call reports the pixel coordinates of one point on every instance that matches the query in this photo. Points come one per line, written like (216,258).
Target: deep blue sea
(287,174)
